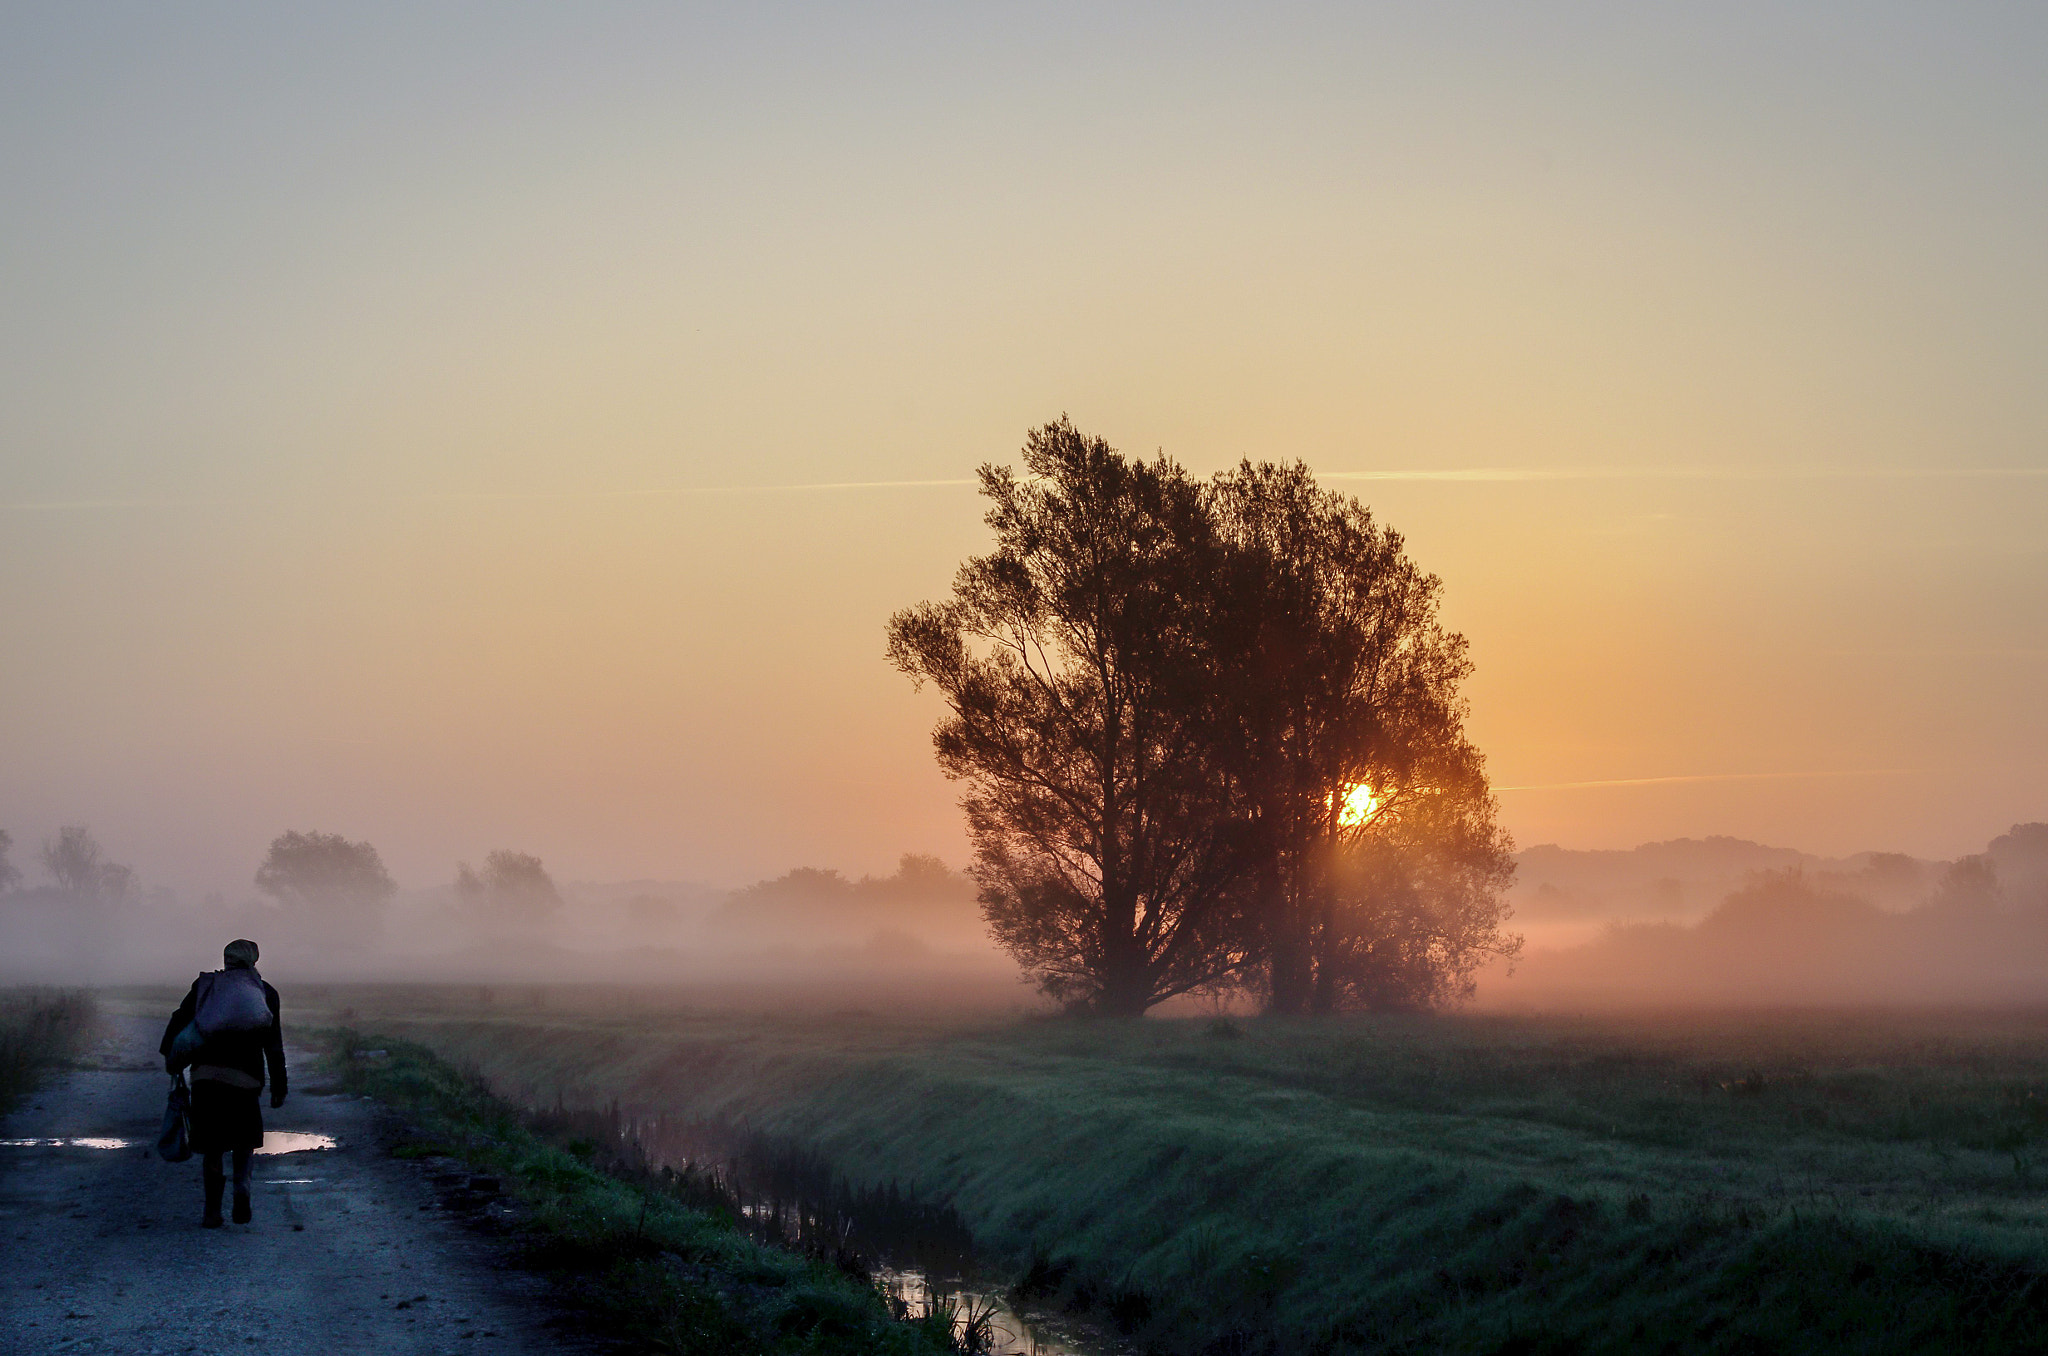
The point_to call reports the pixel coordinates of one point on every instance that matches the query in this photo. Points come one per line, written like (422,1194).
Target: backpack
(232,1000)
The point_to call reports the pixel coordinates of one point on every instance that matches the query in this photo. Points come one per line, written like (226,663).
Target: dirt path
(349,1252)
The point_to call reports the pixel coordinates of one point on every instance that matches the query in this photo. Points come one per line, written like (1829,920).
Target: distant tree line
(1795,934)
(78,867)
(1211,739)
(901,914)
(334,890)
(339,889)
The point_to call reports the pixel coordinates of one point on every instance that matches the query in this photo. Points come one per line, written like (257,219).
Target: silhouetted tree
(1351,759)
(337,887)
(10,875)
(513,892)
(812,908)
(1205,727)
(2020,859)
(1075,665)
(917,874)
(1968,886)
(81,868)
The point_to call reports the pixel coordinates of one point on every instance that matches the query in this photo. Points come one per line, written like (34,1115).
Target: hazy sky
(400,405)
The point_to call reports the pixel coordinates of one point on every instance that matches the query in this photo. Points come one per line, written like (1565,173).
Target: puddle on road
(274,1142)
(79,1143)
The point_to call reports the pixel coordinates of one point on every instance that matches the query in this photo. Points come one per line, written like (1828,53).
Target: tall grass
(1841,1183)
(40,1029)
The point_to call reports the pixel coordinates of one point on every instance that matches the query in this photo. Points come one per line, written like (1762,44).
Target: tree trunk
(1122,999)
(1291,971)
(1323,1000)
(1126,989)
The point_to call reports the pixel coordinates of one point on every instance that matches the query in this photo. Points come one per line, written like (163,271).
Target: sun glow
(1360,804)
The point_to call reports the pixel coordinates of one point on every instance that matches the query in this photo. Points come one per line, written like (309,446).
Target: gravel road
(350,1251)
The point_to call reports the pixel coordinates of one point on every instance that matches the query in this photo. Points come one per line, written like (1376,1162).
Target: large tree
(1075,662)
(9,874)
(338,889)
(1352,763)
(1211,736)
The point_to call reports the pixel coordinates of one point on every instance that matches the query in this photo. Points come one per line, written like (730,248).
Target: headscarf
(239,954)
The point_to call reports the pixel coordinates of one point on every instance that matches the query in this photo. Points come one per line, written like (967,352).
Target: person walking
(224,1035)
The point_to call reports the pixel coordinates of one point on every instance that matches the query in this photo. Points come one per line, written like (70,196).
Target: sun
(1360,804)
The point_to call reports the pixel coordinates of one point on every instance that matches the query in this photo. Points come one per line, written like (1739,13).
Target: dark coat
(225,1116)
(247,1052)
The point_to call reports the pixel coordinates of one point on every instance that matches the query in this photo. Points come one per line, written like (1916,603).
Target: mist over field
(807,933)
(1720,921)
(1689,922)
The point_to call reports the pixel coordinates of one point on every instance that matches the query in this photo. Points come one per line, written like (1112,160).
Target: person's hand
(276,1100)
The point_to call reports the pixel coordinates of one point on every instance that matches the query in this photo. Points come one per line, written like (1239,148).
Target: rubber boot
(212,1219)
(241,1207)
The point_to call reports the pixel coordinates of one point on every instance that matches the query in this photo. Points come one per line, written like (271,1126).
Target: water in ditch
(921,1255)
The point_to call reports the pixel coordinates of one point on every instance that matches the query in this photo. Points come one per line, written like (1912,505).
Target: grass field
(1837,1182)
(40,1029)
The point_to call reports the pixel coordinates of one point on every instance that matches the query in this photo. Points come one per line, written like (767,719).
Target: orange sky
(400,411)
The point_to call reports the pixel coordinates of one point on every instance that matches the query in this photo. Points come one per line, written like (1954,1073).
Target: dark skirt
(225,1118)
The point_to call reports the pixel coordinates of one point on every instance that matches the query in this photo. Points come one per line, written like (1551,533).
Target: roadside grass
(1789,1182)
(655,1263)
(40,1029)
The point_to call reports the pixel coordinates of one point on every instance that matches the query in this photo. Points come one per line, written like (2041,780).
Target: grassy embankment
(1839,1183)
(40,1029)
(659,1263)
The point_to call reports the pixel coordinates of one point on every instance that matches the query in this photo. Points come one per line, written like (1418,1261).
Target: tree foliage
(82,869)
(513,890)
(1162,696)
(337,887)
(9,873)
(1416,906)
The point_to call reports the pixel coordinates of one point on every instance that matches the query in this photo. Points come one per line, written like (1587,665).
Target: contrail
(495,496)
(1711,777)
(1542,473)
(662,491)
